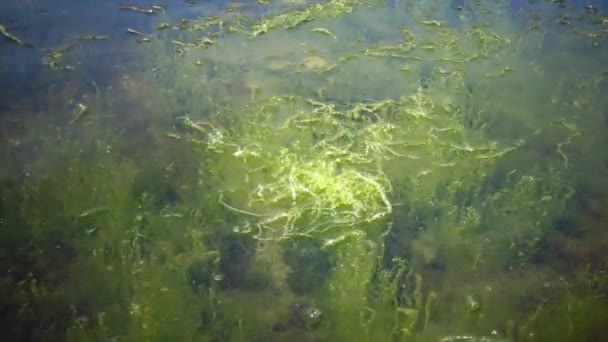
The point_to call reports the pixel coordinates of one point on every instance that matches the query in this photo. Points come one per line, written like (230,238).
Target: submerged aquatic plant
(307,186)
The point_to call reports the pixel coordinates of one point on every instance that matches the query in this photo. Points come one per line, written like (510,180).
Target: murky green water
(340,170)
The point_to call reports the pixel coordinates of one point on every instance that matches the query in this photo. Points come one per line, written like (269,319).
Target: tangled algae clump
(305,178)
(307,168)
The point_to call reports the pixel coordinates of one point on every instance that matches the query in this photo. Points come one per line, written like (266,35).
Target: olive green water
(326,171)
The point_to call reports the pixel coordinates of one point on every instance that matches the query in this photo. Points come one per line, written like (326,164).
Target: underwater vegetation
(314,171)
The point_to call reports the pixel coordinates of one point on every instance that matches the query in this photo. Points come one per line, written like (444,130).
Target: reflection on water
(335,170)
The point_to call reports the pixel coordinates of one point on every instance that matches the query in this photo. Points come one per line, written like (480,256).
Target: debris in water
(93,211)
(94,37)
(323,31)
(138,9)
(132,31)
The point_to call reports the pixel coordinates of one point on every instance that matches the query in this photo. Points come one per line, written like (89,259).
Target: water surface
(304,170)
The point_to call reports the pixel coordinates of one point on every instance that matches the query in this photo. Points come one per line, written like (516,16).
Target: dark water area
(47,26)
(293,170)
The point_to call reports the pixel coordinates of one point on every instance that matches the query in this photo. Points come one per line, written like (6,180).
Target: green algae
(389,210)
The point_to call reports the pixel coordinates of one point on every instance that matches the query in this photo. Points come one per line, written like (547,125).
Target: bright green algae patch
(322,170)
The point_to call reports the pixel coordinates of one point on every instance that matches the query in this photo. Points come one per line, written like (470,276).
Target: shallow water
(308,171)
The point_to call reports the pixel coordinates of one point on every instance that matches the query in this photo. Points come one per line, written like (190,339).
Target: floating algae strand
(5,32)
(330,9)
